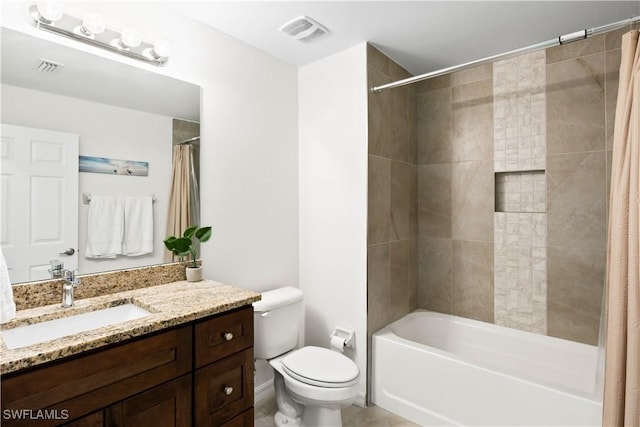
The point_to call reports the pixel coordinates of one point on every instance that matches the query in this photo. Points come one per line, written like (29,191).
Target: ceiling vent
(304,29)
(47,66)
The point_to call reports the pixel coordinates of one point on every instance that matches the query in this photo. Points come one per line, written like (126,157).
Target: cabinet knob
(228,336)
(228,390)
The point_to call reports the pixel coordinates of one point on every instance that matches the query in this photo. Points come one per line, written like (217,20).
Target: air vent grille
(47,66)
(304,29)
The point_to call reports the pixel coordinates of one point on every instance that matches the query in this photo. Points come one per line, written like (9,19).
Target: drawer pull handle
(228,336)
(228,390)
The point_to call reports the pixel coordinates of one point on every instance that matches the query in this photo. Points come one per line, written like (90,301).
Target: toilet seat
(321,367)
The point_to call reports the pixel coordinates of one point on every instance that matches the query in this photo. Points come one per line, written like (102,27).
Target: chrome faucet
(57,267)
(70,283)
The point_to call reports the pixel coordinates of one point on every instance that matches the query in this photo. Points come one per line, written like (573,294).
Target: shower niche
(524,191)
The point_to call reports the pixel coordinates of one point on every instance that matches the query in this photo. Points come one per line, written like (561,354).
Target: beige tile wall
(456,193)
(393,190)
(393,197)
(581,90)
(519,143)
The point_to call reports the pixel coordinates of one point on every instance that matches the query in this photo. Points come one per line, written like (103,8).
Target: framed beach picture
(113,166)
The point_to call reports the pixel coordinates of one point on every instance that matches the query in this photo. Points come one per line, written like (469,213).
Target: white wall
(249,163)
(333,199)
(105,131)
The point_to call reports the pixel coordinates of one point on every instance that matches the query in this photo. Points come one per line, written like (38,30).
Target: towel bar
(86,198)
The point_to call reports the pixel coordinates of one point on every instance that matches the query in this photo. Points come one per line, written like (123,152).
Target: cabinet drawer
(224,389)
(222,336)
(84,384)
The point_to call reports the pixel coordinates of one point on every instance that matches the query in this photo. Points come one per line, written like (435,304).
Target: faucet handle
(70,276)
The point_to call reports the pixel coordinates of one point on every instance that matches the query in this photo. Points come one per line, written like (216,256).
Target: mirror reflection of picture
(113,166)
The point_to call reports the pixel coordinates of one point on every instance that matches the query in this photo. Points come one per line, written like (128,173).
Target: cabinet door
(92,420)
(246,419)
(167,405)
(224,389)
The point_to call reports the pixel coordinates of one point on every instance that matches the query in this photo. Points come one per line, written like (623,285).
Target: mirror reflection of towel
(7,305)
(138,228)
(105,227)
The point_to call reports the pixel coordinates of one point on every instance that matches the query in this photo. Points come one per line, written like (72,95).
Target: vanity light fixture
(91,29)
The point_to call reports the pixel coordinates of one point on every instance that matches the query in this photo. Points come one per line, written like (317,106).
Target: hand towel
(105,227)
(138,225)
(7,305)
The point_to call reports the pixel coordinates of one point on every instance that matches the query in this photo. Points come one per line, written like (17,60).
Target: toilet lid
(322,367)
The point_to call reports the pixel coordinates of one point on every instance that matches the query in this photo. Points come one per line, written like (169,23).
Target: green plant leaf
(203,234)
(168,242)
(189,231)
(182,245)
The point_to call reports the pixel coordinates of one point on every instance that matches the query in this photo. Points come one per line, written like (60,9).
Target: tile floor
(352,416)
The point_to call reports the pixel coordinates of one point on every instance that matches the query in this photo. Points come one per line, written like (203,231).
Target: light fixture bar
(66,25)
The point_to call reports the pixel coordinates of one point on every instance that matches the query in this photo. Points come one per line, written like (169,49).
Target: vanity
(189,362)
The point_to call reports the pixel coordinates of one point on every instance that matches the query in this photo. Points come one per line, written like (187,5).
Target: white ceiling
(420,35)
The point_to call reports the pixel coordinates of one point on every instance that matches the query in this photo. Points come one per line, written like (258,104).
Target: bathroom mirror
(115,111)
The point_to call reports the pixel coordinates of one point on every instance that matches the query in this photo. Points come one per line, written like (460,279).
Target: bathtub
(438,369)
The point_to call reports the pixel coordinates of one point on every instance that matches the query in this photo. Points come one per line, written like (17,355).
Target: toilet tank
(276,321)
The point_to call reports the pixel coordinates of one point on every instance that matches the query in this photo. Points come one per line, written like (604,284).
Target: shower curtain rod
(565,39)
(187,141)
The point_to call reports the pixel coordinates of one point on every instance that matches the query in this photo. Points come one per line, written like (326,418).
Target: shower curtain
(184,209)
(622,371)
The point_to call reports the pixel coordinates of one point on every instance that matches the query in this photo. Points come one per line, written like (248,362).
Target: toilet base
(313,416)
(282,420)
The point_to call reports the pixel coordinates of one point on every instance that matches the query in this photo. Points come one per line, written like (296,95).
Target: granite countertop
(170,305)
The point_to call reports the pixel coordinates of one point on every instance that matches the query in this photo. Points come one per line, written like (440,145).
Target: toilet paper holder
(348,335)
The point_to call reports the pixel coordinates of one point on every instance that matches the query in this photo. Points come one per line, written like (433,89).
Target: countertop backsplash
(45,292)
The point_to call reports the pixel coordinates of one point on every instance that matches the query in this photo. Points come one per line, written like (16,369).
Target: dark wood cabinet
(92,420)
(203,368)
(224,389)
(223,380)
(243,420)
(167,405)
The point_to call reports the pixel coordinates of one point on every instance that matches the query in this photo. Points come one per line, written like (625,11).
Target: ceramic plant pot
(194,274)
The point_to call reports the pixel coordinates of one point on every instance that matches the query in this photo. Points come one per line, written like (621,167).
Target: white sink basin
(23,336)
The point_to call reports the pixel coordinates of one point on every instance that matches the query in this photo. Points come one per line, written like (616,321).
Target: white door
(39,200)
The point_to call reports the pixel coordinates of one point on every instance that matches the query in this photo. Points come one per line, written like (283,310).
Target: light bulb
(130,38)
(161,50)
(49,11)
(92,24)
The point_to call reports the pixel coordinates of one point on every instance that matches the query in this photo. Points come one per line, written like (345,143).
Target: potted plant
(185,246)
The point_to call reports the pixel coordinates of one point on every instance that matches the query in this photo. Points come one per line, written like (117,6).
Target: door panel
(39,200)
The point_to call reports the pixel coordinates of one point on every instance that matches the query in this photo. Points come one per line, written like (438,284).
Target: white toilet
(312,384)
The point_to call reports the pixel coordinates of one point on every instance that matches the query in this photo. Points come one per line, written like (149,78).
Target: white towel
(7,305)
(105,227)
(138,226)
